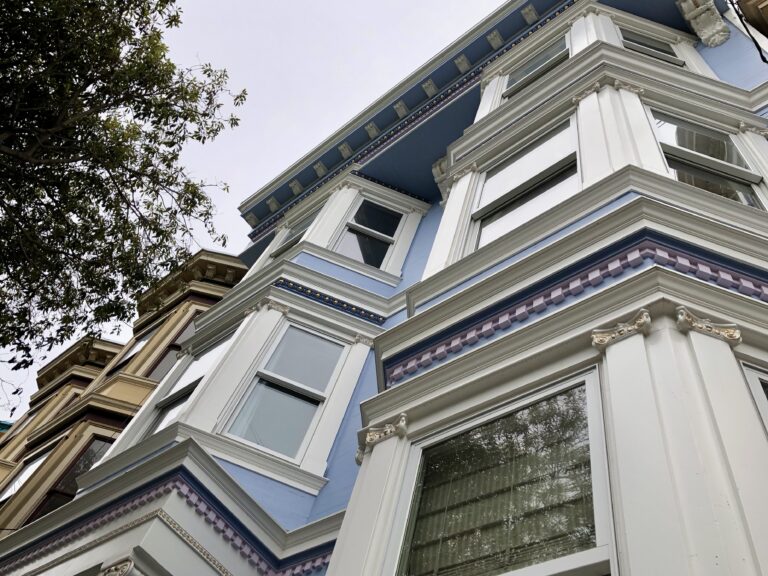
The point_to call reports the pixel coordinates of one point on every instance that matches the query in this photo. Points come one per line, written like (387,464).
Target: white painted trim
(753,376)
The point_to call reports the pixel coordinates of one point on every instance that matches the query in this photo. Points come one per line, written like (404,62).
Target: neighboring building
(5,425)
(88,394)
(474,338)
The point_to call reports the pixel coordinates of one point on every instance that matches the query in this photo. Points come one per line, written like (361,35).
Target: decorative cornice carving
(705,19)
(119,569)
(687,321)
(374,435)
(595,88)
(464,171)
(640,324)
(270,304)
(743,127)
(360,339)
(619,85)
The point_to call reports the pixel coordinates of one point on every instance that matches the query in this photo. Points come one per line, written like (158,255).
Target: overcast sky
(308,67)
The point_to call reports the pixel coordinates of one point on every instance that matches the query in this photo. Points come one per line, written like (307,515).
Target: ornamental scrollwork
(687,321)
(640,324)
(119,569)
(377,434)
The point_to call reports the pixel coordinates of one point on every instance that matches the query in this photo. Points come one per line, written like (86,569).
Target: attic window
(370,234)
(650,47)
(538,65)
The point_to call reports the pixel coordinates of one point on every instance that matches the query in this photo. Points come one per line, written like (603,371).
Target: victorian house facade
(512,319)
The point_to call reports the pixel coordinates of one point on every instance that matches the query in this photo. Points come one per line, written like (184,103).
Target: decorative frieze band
(640,324)
(687,321)
(329,300)
(515,310)
(237,539)
(376,434)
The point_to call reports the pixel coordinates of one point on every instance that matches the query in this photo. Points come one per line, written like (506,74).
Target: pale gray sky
(308,67)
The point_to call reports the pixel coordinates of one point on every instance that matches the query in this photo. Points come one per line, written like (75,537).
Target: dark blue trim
(328,300)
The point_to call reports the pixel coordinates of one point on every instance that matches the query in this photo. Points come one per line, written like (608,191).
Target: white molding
(378,274)
(669,204)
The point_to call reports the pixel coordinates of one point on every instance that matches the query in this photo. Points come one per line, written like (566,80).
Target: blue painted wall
(736,61)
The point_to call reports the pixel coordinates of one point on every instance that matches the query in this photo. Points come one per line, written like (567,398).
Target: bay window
(534,180)
(535,67)
(649,46)
(280,405)
(524,489)
(369,236)
(705,158)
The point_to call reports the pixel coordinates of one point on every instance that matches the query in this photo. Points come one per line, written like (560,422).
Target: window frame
(41,456)
(481,213)
(350,224)
(699,161)
(630,44)
(594,559)
(753,375)
(288,239)
(259,372)
(540,71)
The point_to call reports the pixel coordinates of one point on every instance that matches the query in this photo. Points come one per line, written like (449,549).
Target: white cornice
(523,118)
(669,204)
(565,332)
(383,102)
(192,457)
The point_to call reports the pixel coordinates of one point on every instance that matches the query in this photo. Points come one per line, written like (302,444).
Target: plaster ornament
(640,324)
(704,18)
(377,434)
(687,321)
(119,569)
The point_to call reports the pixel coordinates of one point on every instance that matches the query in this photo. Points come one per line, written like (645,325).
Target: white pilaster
(235,368)
(491,97)
(593,27)
(740,434)
(332,217)
(454,226)
(648,528)
(716,543)
(362,542)
(614,131)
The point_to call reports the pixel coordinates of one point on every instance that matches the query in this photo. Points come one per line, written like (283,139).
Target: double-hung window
(66,488)
(281,403)
(26,472)
(525,489)
(369,236)
(294,234)
(533,181)
(706,158)
(644,44)
(535,67)
(758,383)
(169,407)
(169,357)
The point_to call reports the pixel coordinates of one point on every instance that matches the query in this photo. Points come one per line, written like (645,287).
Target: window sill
(382,276)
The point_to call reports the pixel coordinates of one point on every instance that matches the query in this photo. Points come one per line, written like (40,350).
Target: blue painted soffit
(403,153)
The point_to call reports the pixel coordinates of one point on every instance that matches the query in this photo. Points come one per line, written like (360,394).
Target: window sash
(594,442)
(542,62)
(22,477)
(650,46)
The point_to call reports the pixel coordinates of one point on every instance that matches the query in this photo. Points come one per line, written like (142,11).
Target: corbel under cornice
(687,321)
(369,437)
(639,324)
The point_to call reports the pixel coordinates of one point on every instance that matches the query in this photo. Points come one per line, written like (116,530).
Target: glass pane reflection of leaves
(511,493)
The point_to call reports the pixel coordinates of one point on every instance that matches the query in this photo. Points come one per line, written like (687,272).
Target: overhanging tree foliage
(94,202)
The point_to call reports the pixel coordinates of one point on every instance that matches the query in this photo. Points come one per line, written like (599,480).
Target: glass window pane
(378,218)
(530,205)
(305,358)
(24,475)
(274,418)
(96,449)
(168,414)
(698,138)
(511,493)
(199,367)
(363,248)
(764,384)
(648,42)
(539,62)
(167,361)
(713,183)
(533,160)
